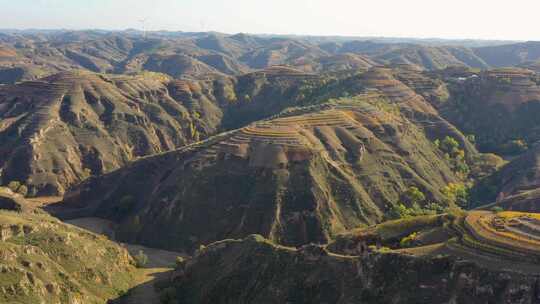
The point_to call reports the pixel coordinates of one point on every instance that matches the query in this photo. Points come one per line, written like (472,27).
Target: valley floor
(160,263)
(144,292)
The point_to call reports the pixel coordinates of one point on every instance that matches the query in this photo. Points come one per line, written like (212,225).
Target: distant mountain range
(30,54)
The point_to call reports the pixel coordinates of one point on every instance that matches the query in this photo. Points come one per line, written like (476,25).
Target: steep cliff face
(254,270)
(299,178)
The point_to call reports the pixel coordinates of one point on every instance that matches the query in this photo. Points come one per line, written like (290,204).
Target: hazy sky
(488,19)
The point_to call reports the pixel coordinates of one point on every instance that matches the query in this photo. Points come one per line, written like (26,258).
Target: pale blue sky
(488,19)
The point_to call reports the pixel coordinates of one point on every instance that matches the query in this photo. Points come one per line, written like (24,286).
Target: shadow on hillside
(145,292)
(63,212)
(159,265)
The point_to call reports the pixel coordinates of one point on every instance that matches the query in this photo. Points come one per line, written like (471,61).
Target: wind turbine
(143,22)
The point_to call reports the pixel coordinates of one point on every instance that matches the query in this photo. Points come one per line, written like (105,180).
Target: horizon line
(270,34)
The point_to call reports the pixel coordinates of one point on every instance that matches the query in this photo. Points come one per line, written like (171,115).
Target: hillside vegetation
(298,178)
(45,261)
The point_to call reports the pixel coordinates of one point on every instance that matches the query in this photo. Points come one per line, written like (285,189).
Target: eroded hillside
(299,178)
(64,128)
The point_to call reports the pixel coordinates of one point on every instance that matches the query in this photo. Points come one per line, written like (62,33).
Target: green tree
(450,145)
(141,259)
(408,240)
(453,154)
(400,211)
(456,193)
(14,185)
(455,212)
(434,208)
(462,167)
(384,249)
(414,195)
(23,190)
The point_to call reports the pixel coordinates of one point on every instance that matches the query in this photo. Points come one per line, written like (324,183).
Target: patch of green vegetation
(227,91)
(457,194)
(454,154)
(194,133)
(384,249)
(66,260)
(398,228)
(408,240)
(414,195)
(400,211)
(14,185)
(414,198)
(455,213)
(18,187)
(141,259)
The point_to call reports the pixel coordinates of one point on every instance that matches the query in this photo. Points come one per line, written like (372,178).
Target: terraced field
(275,143)
(510,235)
(383,80)
(504,241)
